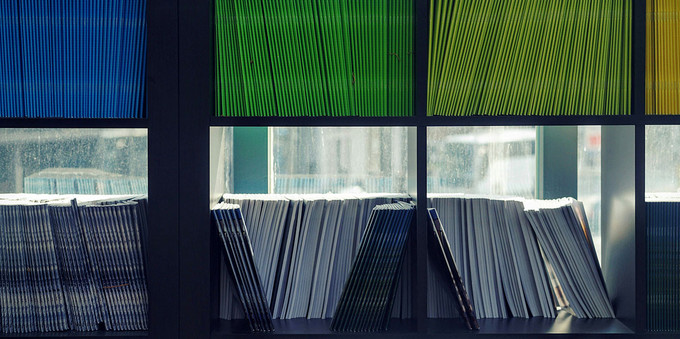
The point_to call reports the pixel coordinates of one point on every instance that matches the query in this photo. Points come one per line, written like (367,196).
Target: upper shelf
(72,123)
(448,121)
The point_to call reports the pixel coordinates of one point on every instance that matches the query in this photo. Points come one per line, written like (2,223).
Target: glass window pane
(482,160)
(589,178)
(662,159)
(73,161)
(339,159)
(221,159)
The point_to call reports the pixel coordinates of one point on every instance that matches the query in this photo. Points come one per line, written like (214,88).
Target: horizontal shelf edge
(446,121)
(314,121)
(72,123)
(563,324)
(77,334)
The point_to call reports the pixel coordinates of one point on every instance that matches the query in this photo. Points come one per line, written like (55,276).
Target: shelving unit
(183,266)
(198,264)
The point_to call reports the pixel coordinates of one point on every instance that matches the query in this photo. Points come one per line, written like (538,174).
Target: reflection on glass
(339,160)
(662,159)
(589,178)
(221,160)
(482,160)
(73,161)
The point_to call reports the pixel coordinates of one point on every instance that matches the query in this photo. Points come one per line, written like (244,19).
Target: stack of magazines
(233,233)
(498,256)
(366,301)
(73,59)
(563,232)
(663,261)
(519,258)
(74,263)
(490,257)
(303,248)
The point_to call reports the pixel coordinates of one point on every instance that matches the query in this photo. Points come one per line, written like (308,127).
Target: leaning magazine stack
(72,263)
(366,301)
(440,250)
(232,231)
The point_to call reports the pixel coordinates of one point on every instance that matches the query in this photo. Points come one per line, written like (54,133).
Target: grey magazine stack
(366,301)
(563,232)
(303,248)
(72,263)
(508,248)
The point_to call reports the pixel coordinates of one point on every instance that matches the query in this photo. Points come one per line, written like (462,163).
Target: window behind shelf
(499,160)
(73,161)
(221,161)
(589,178)
(662,159)
(338,159)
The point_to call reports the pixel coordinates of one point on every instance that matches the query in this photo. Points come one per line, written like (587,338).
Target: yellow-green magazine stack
(662,91)
(529,57)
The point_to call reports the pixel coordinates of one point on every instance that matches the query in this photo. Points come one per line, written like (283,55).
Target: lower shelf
(228,328)
(563,324)
(75,334)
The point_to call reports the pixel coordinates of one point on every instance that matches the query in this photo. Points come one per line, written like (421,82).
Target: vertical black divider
(420,50)
(640,232)
(195,108)
(420,293)
(638,45)
(163,177)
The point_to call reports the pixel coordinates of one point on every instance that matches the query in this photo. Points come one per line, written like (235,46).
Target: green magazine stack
(314,58)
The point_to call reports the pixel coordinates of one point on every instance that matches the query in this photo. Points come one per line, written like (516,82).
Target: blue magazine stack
(73,59)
